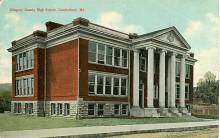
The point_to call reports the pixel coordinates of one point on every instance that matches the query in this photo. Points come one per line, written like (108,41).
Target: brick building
(87,70)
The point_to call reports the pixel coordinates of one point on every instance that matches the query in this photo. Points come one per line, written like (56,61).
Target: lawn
(12,122)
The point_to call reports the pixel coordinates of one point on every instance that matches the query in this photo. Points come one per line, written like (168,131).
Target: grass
(9,122)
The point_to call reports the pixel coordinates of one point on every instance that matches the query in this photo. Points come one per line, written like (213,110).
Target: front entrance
(141,95)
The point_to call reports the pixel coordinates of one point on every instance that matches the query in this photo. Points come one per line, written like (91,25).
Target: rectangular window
(124,109)
(123,86)
(101,53)
(177,69)
(32,58)
(53,108)
(91,109)
(100,109)
(24,86)
(17,62)
(30,108)
(187,91)
(21,93)
(17,87)
(19,107)
(177,91)
(187,71)
(66,109)
(28,59)
(91,83)
(109,52)
(108,85)
(20,62)
(117,56)
(124,58)
(28,86)
(116,86)
(100,82)
(32,86)
(24,60)
(142,62)
(59,109)
(92,51)
(116,109)
(26,108)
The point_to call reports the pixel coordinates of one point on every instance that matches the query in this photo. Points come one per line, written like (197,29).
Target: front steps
(158,112)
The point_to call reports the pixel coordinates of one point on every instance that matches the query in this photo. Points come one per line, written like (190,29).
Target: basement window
(100,109)
(66,109)
(91,109)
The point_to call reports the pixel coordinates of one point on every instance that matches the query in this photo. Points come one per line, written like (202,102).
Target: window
(17,63)
(100,109)
(91,109)
(187,71)
(20,87)
(53,108)
(108,86)
(109,52)
(31,58)
(32,86)
(24,86)
(124,58)
(123,86)
(25,60)
(26,108)
(187,91)
(66,109)
(124,109)
(100,80)
(116,56)
(101,53)
(142,62)
(20,62)
(28,86)
(116,86)
(19,108)
(30,108)
(116,109)
(59,109)
(177,69)
(177,91)
(17,87)
(92,51)
(91,83)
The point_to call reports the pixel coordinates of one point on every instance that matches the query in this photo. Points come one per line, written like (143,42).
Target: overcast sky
(197,21)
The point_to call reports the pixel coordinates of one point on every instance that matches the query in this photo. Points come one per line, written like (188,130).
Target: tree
(208,88)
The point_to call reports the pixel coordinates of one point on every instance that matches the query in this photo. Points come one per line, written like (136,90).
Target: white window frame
(24,81)
(125,109)
(177,84)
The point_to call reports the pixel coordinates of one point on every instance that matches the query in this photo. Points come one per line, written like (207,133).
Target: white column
(162,79)
(136,79)
(168,82)
(173,80)
(182,82)
(150,78)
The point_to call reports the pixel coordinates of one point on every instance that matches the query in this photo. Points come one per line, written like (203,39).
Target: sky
(196,20)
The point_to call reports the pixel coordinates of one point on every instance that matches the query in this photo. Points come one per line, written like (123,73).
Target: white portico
(170,46)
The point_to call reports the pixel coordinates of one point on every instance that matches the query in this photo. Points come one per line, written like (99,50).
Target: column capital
(151,47)
(174,53)
(163,50)
(136,50)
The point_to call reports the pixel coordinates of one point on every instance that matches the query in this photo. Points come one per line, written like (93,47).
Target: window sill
(24,69)
(24,96)
(107,65)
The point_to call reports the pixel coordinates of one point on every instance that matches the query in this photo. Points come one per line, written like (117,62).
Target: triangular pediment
(170,36)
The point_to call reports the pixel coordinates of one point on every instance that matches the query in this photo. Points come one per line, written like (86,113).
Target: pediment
(172,37)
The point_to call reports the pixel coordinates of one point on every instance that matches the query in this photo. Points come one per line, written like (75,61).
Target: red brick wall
(62,71)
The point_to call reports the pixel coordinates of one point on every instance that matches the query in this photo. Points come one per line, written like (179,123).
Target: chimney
(40,33)
(13,43)
(52,25)
(133,35)
(81,21)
